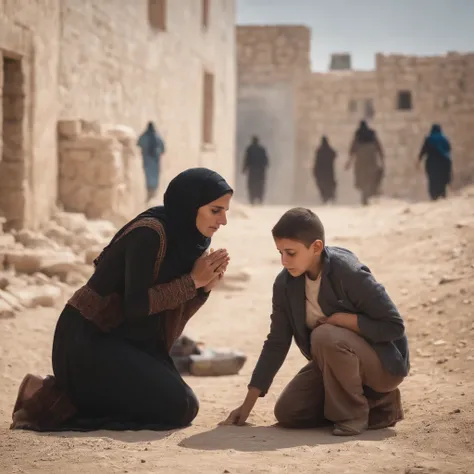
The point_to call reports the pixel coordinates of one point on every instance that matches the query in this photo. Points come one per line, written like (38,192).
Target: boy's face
(297,258)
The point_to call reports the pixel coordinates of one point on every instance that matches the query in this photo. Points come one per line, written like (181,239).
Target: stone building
(291,107)
(111,62)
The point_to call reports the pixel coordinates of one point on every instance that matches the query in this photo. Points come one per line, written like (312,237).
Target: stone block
(69,128)
(24,261)
(37,295)
(92,127)
(11,300)
(6,310)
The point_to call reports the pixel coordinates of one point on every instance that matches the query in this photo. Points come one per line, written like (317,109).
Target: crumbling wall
(335,103)
(276,55)
(401,99)
(118,65)
(442,91)
(100,170)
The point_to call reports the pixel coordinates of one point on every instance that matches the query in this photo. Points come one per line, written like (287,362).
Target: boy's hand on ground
(236,417)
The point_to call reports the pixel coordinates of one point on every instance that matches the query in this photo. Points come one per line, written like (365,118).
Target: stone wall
(276,56)
(100,171)
(442,90)
(29,33)
(116,62)
(333,103)
(116,67)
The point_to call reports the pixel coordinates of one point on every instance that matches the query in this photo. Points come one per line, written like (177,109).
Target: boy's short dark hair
(299,224)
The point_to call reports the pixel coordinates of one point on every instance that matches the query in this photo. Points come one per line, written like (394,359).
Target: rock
(6,310)
(59,264)
(69,128)
(92,254)
(439,342)
(59,234)
(216,362)
(87,240)
(4,281)
(7,241)
(24,261)
(103,228)
(442,361)
(11,300)
(445,280)
(421,353)
(72,221)
(40,279)
(75,279)
(121,132)
(38,295)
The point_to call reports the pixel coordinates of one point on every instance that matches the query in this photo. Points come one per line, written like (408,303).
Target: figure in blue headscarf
(152,147)
(438,164)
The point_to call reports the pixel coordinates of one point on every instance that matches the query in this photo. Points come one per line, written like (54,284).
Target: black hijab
(185,194)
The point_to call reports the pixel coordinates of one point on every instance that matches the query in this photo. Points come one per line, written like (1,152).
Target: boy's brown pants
(331,386)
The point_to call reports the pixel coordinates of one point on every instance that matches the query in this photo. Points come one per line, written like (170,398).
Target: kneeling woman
(111,362)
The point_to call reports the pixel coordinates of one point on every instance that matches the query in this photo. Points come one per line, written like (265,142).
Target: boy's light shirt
(313,310)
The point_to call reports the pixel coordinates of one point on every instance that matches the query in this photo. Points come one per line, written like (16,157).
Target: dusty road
(423,253)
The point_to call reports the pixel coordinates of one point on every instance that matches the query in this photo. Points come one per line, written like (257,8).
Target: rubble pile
(41,268)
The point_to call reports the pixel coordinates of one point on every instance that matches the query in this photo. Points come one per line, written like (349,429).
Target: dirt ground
(424,255)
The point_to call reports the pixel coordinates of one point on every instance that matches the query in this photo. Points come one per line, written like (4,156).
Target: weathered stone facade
(432,89)
(273,61)
(100,170)
(114,62)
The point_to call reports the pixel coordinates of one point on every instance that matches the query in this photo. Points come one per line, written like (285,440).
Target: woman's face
(211,216)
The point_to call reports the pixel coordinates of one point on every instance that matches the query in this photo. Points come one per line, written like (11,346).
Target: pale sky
(365,27)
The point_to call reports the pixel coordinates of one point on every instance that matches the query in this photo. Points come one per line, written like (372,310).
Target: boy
(344,323)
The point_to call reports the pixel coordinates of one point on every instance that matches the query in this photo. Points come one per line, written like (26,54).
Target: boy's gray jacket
(347,286)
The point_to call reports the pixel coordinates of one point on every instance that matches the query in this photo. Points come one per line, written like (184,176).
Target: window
(369,111)
(352,106)
(205,13)
(157,14)
(404,100)
(208,109)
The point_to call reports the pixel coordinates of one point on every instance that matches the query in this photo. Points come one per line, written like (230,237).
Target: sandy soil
(423,253)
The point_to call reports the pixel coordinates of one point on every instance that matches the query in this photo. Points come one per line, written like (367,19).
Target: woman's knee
(184,407)
(191,409)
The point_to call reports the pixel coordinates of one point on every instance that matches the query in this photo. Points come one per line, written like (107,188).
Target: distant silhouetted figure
(323,171)
(255,166)
(152,147)
(368,155)
(438,164)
